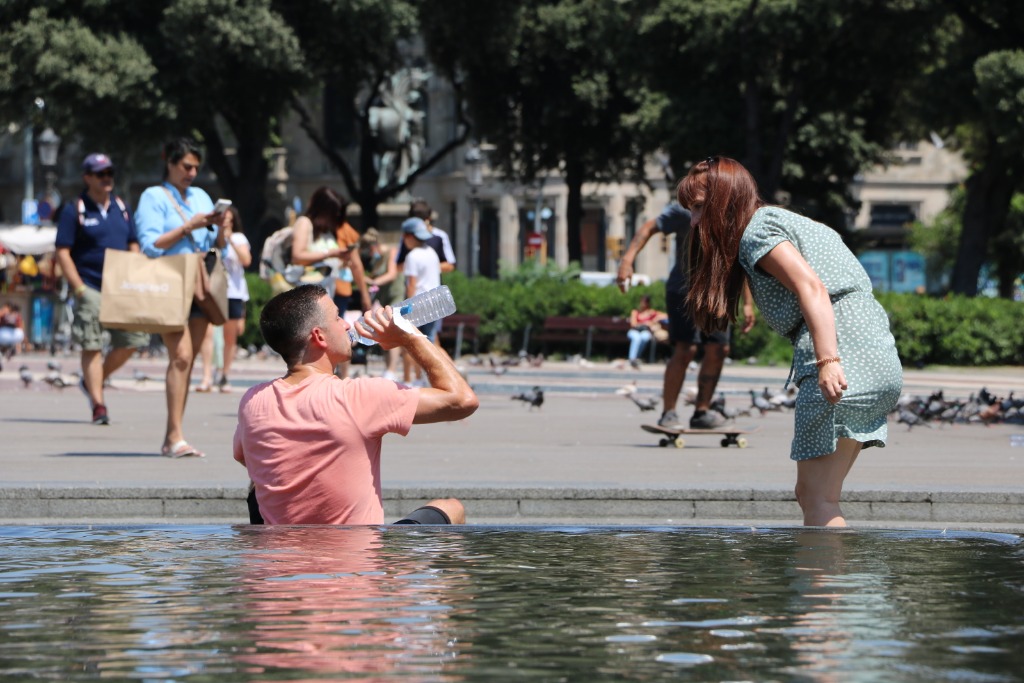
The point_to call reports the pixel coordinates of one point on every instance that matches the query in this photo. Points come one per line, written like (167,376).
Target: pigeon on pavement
(534,400)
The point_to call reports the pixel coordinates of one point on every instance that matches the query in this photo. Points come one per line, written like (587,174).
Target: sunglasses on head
(106,173)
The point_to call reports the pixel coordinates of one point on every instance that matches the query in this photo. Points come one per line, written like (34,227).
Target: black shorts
(427,514)
(236,309)
(681,327)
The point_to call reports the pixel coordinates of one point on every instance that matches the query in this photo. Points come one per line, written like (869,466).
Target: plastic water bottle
(419,310)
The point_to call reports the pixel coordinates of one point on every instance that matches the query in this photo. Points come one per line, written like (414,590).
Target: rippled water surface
(218,603)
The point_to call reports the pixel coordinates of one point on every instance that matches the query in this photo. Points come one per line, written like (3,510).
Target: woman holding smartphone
(176,218)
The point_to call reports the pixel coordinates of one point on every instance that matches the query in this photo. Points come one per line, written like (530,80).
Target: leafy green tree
(805,94)
(971,95)
(352,48)
(95,85)
(937,241)
(550,84)
(123,75)
(230,66)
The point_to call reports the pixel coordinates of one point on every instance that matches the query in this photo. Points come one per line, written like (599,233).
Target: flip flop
(181,449)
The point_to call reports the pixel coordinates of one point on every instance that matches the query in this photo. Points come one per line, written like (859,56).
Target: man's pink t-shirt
(313,449)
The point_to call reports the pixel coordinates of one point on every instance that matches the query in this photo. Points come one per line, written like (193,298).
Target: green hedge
(956,330)
(508,305)
(259,295)
(950,331)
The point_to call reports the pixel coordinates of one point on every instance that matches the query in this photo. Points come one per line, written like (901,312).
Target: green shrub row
(956,330)
(949,331)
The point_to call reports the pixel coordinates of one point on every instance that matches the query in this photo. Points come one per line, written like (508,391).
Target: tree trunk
(368,196)
(574,208)
(246,188)
(989,190)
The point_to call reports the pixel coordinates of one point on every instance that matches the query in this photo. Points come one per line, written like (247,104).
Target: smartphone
(222,205)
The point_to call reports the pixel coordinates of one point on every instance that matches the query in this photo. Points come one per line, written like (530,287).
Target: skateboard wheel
(663,442)
(741,442)
(725,443)
(679,443)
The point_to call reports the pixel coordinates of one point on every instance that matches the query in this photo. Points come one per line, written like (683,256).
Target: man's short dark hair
(289,317)
(419,208)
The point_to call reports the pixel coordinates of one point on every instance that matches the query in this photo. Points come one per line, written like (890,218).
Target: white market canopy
(28,239)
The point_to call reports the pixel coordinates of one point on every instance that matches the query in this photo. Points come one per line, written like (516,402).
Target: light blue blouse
(156,215)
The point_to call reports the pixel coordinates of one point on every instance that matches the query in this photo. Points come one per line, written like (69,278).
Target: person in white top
(422,272)
(237,255)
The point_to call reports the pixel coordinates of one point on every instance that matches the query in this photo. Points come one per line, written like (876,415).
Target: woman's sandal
(203,389)
(181,449)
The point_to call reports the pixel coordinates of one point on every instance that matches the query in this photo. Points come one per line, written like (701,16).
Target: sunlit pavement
(580,459)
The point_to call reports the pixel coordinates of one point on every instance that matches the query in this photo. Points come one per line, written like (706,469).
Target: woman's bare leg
(819,483)
(181,353)
(233,329)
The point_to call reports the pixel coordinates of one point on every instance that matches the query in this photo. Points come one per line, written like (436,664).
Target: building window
(889,215)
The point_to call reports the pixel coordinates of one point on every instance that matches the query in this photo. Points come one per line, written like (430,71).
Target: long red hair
(729,197)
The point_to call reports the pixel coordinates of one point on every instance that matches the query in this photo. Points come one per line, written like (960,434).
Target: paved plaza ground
(580,459)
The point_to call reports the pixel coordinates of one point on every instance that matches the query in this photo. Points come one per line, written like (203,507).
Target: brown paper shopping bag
(147,294)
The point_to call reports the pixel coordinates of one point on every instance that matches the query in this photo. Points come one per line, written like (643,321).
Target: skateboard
(732,436)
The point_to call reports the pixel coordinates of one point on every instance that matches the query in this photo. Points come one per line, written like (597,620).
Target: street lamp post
(29,199)
(475,177)
(49,146)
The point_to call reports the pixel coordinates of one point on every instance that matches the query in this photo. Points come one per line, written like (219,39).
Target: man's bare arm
(639,241)
(449,397)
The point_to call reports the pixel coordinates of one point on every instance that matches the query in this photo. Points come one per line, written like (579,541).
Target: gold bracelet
(825,361)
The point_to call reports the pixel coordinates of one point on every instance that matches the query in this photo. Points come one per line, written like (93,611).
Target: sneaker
(390,375)
(99,415)
(709,419)
(81,387)
(669,419)
(635,364)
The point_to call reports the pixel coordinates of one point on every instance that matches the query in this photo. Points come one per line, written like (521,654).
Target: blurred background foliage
(954,330)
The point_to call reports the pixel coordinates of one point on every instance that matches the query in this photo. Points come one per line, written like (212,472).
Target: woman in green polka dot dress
(811,289)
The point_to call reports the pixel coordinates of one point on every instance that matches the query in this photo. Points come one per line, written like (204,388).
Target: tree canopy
(805,93)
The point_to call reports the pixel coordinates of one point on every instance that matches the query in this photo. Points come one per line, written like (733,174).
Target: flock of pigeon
(760,402)
(913,411)
(58,380)
(981,408)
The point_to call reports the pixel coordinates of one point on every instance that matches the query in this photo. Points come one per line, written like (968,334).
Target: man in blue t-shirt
(684,335)
(98,220)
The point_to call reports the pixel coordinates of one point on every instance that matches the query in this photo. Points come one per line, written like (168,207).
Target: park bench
(585,330)
(459,328)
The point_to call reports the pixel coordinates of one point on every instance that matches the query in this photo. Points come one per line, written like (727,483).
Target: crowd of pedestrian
(732,250)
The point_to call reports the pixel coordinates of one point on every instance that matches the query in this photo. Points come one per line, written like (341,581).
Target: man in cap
(97,221)
(422,272)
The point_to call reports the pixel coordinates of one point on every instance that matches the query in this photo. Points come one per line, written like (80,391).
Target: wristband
(821,362)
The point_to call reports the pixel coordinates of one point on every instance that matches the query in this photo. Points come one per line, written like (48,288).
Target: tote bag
(146,294)
(211,292)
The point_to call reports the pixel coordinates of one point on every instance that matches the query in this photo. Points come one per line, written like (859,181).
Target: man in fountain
(311,442)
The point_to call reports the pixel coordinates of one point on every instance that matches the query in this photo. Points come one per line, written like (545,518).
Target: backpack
(276,265)
(277,253)
(120,205)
